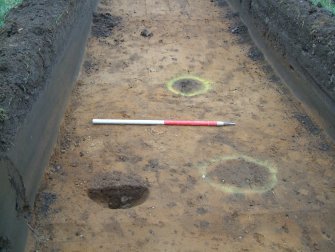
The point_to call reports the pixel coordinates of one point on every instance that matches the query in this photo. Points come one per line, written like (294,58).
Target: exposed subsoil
(126,78)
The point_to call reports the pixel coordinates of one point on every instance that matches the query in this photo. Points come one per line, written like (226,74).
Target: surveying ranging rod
(161,122)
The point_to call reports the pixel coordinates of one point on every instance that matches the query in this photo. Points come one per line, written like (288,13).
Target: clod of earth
(255,54)
(146,33)
(241,29)
(116,190)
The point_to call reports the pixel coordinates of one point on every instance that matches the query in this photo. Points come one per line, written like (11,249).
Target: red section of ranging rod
(190,123)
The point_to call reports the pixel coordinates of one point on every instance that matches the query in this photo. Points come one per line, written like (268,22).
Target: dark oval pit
(240,173)
(116,190)
(187,86)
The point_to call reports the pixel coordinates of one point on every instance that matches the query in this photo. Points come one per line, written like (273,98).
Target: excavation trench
(265,184)
(255,186)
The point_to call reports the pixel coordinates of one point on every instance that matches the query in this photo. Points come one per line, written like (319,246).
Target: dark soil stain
(232,224)
(171,204)
(221,3)
(240,173)
(153,165)
(187,86)
(241,32)
(103,24)
(12,30)
(307,123)
(117,190)
(3,115)
(4,244)
(128,158)
(113,226)
(90,66)
(202,224)
(56,168)
(270,73)
(255,54)
(201,210)
(189,185)
(259,238)
(324,147)
(44,201)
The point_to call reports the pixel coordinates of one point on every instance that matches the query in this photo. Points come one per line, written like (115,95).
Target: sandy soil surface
(266,184)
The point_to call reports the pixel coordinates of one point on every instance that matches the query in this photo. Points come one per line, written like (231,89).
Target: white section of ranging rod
(161,122)
(127,122)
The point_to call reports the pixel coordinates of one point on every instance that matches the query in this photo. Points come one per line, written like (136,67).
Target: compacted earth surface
(266,184)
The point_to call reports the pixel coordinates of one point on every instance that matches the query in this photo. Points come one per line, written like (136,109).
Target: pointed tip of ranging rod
(228,124)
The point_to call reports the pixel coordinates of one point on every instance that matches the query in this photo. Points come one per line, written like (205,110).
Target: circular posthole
(116,190)
(188,86)
(240,174)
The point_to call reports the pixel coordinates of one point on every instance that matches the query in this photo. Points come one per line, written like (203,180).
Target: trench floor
(266,184)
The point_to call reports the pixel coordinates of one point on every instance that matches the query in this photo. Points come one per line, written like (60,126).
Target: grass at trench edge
(5,6)
(327,4)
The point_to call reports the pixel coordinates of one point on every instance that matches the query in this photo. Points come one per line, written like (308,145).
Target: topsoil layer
(27,54)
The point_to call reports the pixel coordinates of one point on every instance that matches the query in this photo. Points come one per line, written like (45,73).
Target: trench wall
(45,40)
(298,39)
